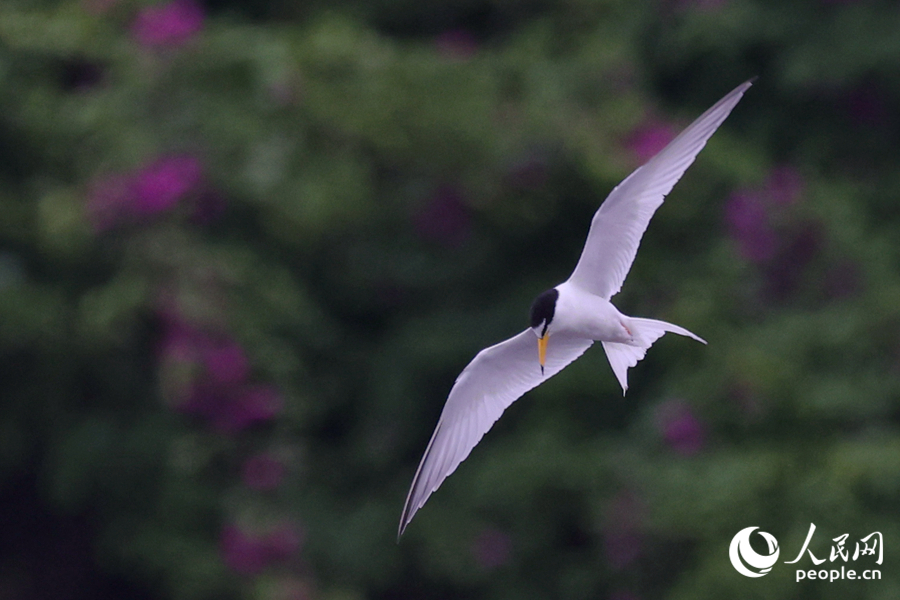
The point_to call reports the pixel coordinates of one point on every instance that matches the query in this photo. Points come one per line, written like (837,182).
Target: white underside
(625,339)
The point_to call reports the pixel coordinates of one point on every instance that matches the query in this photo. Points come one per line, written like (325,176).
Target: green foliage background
(392,183)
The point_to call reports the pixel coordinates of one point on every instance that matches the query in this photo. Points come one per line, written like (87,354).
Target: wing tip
(416,497)
(744,86)
(406,516)
(403,523)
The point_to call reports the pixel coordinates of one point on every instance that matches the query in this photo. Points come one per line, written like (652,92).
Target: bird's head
(542,311)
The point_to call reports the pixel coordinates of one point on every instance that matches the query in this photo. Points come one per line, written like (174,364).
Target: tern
(568,318)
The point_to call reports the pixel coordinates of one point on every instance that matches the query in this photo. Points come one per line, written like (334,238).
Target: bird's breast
(589,316)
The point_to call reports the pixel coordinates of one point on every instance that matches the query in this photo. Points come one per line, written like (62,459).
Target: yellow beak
(542,349)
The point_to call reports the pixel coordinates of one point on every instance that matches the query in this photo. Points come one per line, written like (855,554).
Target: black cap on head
(543,308)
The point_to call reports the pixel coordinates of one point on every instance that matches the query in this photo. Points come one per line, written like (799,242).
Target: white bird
(574,314)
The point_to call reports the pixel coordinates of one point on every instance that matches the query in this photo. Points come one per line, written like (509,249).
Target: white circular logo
(746,560)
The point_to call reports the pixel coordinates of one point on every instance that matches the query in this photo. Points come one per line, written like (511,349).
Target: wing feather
(620,222)
(495,378)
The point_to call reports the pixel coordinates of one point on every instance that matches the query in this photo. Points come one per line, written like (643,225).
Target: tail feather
(645,331)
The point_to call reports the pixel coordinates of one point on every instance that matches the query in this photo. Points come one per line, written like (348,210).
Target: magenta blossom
(492,549)
(180,354)
(457,44)
(283,541)
(623,541)
(109,201)
(243,552)
(221,363)
(249,406)
(160,185)
(208,377)
(648,138)
(528,174)
(249,553)
(231,411)
(625,511)
(263,472)
(445,218)
(622,547)
(784,186)
(170,24)
(801,244)
(681,430)
(747,219)
(768,232)
(868,106)
(226,364)
(120,198)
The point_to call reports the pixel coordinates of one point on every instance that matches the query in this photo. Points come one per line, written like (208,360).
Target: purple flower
(647,139)
(170,24)
(242,552)
(263,472)
(250,552)
(784,186)
(457,44)
(680,428)
(445,218)
(226,364)
(283,541)
(747,401)
(622,547)
(768,232)
(622,539)
(748,223)
(249,406)
(801,245)
(492,549)
(180,355)
(108,201)
(625,511)
(160,185)
(866,106)
(528,174)
(114,199)
(207,377)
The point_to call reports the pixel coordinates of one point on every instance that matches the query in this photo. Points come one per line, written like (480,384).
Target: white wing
(619,224)
(495,378)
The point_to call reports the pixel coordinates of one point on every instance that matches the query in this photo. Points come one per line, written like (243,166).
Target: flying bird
(568,318)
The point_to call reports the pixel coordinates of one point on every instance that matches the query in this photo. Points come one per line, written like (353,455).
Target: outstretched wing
(495,378)
(620,222)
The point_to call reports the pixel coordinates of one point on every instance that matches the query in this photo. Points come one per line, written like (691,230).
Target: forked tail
(645,331)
